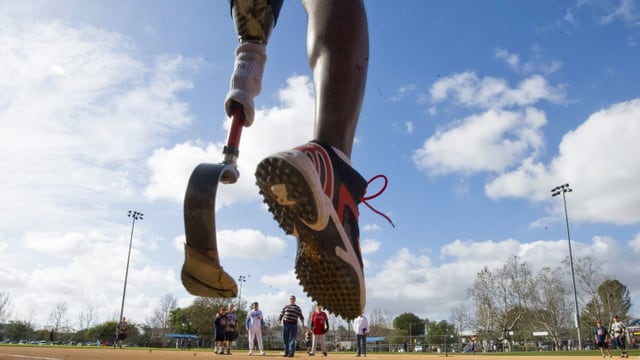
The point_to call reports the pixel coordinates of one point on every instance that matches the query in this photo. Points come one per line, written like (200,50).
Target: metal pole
(573,276)
(446,353)
(554,192)
(134,216)
(409,347)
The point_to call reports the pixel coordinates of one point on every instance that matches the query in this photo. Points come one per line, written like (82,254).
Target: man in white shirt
(254,324)
(361,328)
(618,335)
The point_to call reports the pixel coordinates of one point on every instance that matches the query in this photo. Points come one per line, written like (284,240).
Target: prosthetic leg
(254,20)
(202,274)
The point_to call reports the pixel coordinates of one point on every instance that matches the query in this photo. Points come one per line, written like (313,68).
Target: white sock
(246,81)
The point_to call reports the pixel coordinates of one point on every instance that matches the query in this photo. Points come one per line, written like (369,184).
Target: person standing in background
(254,324)
(230,332)
(219,327)
(618,332)
(121,332)
(361,327)
(319,326)
(602,338)
(289,318)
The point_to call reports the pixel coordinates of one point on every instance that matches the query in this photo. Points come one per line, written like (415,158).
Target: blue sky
(474,111)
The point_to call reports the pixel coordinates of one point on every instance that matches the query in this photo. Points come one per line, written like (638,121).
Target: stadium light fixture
(241,279)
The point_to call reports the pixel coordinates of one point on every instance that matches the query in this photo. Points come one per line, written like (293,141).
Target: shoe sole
(295,200)
(325,270)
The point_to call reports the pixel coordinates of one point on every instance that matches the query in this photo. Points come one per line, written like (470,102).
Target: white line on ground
(2,356)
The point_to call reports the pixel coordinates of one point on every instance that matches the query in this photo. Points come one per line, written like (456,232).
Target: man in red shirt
(319,326)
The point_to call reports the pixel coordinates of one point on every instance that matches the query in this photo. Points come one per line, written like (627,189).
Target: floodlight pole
(134,215)
(562,189)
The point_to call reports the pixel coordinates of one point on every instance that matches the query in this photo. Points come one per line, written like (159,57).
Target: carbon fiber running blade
(202,274)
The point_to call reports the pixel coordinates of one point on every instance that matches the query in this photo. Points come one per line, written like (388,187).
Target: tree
(31,314)
(379,317)
(58,317)
(379,324)
(461,318)
(161,314)
(408,324)
(105,332)
(552,310)
(19,330)
(438,330)
(179,321)
(502,297)
(612,298)
(588,275)
(512,301)
(87,317)
(615,299)
(146,337)
(273,331)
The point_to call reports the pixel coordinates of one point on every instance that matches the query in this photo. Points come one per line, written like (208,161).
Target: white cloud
(491,141)
(282,281)
(403,92)
(80,112)
(370,227)
(468,90)
(82,128)
(369,245)
(409,276)
(533,66)
(570,17)
(508,144)
(249,244)
(530,180)
(635,244)
(64,245)
(607,13)
(603,150)
(626,11)
(513,60)
(409,126)
(170,168)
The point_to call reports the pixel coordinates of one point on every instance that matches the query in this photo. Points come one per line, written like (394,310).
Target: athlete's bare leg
(338,50)
(312,190)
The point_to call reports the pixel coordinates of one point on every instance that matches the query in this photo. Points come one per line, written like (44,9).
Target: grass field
(108,353)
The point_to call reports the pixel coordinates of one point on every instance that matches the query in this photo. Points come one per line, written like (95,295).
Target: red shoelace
(366,198)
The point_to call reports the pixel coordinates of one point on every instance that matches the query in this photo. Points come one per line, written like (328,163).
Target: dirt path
(53,353)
